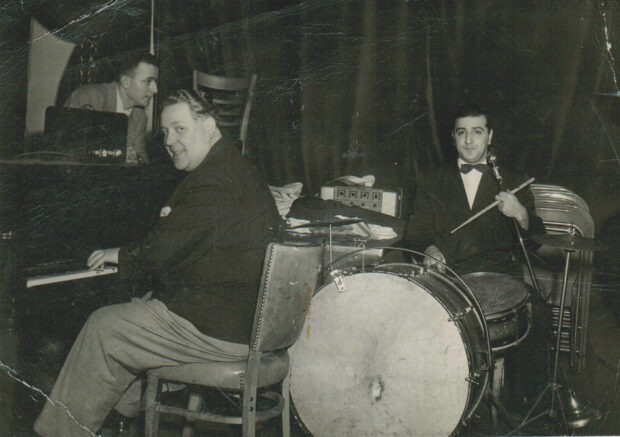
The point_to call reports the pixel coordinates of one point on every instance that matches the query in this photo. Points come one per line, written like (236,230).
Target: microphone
(492,160)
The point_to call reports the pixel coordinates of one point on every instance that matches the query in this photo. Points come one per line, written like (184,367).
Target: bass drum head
(379,359)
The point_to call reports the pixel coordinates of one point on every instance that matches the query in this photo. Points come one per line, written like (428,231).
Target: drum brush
(491,206)
(492,160)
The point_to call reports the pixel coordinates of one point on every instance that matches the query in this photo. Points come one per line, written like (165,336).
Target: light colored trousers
(116,344)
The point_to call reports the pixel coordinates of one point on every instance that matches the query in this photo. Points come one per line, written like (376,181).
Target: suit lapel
(455,200)
(457,192)
(457,206)
(487,189)
(110,97)
(486,192)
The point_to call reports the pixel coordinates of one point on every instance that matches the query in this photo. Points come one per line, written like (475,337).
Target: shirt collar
(119,104)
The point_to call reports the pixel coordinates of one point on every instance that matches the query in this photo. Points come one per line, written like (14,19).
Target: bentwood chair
(289,277)
(232,99)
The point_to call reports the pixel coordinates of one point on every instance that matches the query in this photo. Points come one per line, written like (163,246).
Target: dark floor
(596,387)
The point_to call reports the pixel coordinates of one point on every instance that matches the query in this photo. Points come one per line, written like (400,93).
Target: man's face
(141,86)
(187,139)
(472,138)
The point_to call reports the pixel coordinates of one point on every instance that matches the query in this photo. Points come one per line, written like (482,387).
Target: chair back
(558,204)
(231,98)
(563,211)
(289,278)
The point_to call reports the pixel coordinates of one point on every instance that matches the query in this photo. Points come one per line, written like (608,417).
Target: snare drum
(393,351)
(505,304)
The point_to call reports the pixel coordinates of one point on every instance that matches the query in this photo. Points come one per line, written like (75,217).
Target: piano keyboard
(69,276)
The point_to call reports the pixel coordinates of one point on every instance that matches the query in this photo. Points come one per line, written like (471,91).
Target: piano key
(69,276)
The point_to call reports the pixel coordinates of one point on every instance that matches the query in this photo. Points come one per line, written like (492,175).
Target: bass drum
(396,351)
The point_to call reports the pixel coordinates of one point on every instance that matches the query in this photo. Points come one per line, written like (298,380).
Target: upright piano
(53,214)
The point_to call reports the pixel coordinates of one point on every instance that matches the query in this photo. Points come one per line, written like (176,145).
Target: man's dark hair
(198,105)
(471,110)
(130,62)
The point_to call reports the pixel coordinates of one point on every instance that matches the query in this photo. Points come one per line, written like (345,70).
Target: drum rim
(469,295)
(502,313)
(516,342)
(479,375)
(456,276)
(484,367)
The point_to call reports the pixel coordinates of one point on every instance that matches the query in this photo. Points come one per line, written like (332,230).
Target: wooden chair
(289,277)
(232,99)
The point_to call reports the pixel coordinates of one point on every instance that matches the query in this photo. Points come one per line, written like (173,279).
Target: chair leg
(151,422)
(195,403)
(248,412)
(286,412)
(248,418)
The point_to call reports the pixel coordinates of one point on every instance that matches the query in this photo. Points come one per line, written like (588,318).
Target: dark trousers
(528,364)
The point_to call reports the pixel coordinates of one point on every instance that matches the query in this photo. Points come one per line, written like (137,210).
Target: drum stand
(553,387)
(493,392)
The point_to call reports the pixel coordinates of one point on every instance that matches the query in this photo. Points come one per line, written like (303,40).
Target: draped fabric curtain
(364,87)
(367,86)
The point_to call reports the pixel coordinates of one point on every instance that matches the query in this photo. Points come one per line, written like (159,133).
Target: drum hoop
(525,334)
(478,375)
(522,306)
(504,312)
(507,312)
(484,375)
(470,296)
(297,418)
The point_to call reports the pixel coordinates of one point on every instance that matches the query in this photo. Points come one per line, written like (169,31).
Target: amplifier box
(375,199)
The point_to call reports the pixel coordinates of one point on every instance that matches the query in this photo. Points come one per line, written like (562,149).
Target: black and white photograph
(309,218)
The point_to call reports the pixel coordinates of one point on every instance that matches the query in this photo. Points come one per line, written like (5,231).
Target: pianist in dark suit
(448,195)
(206,250)
(130,93)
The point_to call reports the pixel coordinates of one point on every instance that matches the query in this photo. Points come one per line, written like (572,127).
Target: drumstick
(491,206)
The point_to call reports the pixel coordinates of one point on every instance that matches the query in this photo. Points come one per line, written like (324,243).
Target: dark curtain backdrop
(367,86)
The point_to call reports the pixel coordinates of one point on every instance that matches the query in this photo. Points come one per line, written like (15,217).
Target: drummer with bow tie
(449,195)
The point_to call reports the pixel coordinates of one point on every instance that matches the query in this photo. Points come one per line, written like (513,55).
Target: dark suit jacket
(102,97)
(208,251)
(487,244)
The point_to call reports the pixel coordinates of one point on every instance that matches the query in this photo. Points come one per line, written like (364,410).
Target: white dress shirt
(119,104)
(471,181)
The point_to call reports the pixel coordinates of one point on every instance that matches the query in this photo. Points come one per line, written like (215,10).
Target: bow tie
(466,168)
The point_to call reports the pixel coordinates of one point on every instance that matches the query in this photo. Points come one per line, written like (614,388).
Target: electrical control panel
(375,199)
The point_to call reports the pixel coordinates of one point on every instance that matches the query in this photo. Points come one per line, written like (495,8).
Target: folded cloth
(364,181)
(381,232)
(295,225)
(285,196)
(377,232)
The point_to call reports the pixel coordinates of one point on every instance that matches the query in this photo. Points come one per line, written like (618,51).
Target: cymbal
(568,242)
